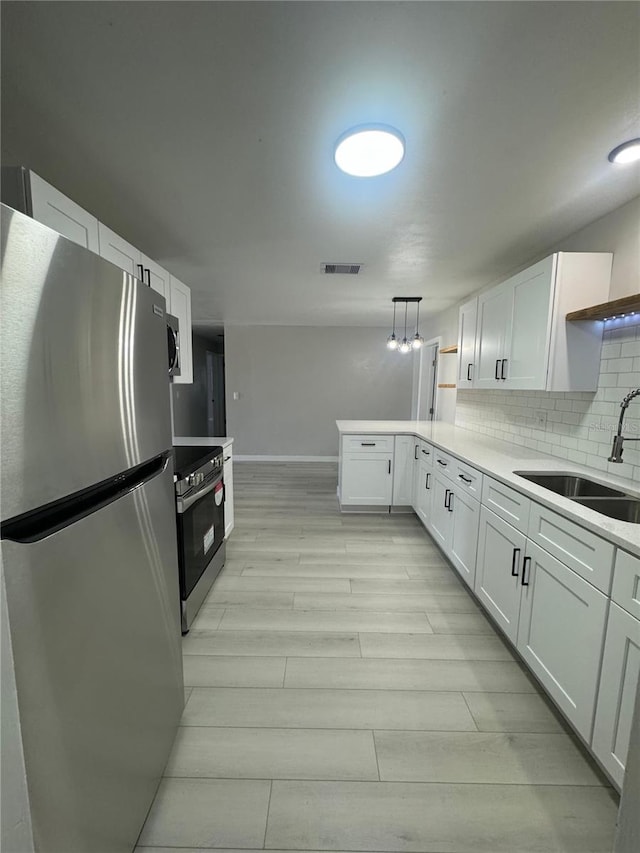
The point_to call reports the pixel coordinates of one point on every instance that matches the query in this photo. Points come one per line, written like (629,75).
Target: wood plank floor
(346,693)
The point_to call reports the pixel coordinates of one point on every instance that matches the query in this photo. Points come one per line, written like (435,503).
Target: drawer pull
(426,452)
(441,462)
(415,452)
(514,570)
(524,571)
(465,479)
(367,444)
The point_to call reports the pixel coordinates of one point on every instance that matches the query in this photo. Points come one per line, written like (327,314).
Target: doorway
(425,384)
(216,409)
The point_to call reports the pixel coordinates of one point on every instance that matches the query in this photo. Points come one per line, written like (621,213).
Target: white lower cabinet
(424,491)
(465,514)
(561,633)
(617,692)
(497,582)
(440,521)
(227,473)
(403,474)
(366,479)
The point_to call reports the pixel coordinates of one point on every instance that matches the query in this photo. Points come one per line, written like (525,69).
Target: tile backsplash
(576,426)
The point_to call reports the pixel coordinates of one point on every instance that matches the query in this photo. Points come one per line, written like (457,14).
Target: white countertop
(499,459)
(202,441)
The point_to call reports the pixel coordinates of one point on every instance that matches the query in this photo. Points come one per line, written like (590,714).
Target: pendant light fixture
(392,341)
(405,345)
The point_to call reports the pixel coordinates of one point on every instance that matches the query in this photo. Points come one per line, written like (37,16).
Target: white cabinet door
(180,307)
(493,312)
(366,479)
(403,470)
(116,249)
(440,521)
(498,570)
(157,278)
(227,473)
(54,209)
(467,321)
(528,331)
(464,534)
(561,633)
(424,483)
(617,692)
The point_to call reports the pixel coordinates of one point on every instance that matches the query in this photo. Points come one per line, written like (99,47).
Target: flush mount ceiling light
(406,344)
(369,150)
(628,152)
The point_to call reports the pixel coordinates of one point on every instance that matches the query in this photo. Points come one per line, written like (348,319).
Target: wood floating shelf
(446,384)
(608,310)
(445,350)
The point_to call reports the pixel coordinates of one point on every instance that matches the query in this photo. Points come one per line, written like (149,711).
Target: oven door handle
(183,504)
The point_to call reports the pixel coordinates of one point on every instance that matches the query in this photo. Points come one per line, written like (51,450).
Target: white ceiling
(203,132)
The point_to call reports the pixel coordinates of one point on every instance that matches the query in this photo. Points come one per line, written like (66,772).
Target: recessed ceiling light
(628,152)
(370,150)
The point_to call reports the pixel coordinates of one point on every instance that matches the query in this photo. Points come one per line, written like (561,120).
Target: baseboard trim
(268,458)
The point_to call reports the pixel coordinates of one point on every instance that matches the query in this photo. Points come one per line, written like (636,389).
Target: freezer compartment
(83,380)
(95,627)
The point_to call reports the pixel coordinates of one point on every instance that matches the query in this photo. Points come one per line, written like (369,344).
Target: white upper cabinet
(468,317)
(157,278)
(115,248)
(523,340)
(52,208)
(180,306)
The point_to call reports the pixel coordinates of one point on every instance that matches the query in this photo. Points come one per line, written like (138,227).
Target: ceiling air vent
(341,269)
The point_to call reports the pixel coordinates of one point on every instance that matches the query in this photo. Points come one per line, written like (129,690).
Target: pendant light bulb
(417,341)
(392,342)
(405,346)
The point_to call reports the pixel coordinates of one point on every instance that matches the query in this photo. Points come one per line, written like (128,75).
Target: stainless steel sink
(603,499)
(624,509)
(570,485)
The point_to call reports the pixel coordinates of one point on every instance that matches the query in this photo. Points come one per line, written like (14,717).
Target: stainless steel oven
(200,522)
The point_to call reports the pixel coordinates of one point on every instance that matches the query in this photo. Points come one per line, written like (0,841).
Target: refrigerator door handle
(36,524)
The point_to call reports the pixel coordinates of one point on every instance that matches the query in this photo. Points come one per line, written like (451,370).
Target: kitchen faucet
(619,439)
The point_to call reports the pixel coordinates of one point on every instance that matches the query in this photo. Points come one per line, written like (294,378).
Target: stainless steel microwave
(173,344)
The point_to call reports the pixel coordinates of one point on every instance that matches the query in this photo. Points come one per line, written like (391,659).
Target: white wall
(295,382)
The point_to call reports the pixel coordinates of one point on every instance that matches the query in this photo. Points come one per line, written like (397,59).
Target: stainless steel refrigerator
(88,539)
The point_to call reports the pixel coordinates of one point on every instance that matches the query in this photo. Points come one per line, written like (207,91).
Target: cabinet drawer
(425,452)
(367,443)
(444,463)
(506,503)
(467,478)
(584,552)
(626,582)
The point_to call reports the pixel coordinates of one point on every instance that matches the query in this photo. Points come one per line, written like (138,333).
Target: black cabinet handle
(389,471)
(415,452)
(440,462)
(451,497)
(148,272)
(426,452)
(465,479)
(514,570)
(497,368)
(469,366)
(524,571)
(447,494)
(141,269)
(426,482)
(367,444)
(502,376)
